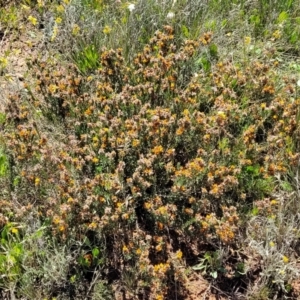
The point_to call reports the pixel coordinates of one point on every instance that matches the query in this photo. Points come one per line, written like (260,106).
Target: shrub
(141,163)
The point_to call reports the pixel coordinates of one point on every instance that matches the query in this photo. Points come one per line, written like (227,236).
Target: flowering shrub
(143,163)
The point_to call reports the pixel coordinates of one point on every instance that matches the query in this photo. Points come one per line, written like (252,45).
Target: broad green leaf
(282,17)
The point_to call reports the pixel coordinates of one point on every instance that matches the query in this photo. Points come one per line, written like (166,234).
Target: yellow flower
(58,20)
(221,114)
(40,3)
(95,160)
(180,131)
(147,205)
(206,137)
(37,181)
(161,268)
(157,150)
(14,230)
(285,259)
(125,249)
(3,62)
(138,251)
(62,227)
(56,220)
(247,40)
(125,216)
(179,254)
(106,30)
(70,200)
(135,143)
(25,7)
(88,112)
(272,244)
(93,225)
(75,29)
(162,210)
(52,88)
(54,34)
(281,272)
(186,112)
(273,202)
(60,8)
(32,20)
(277,34)
(158,248)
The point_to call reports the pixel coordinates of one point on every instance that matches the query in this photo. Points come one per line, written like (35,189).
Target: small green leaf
(286,186)
(258,51)
(240,269)
(3,164)
(283,16)
(2,118)
(199,267)
(213,50)
(255,19)
(224,23)
(253,170)
(204,63)
(87,242)
(223,143)
(185,31)
(294,37)
(207,256)
(255,211)
(16,180)
(214,274)
(17,250)
(95,252)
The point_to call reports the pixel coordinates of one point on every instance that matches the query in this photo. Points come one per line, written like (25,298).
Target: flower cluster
(146,148)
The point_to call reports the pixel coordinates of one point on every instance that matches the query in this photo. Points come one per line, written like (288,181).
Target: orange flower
(180,131)
(160,225)
(158,248)
(157,150)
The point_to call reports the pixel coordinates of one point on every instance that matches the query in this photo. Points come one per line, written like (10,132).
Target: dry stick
(92,284)
(220,291)
(3,37)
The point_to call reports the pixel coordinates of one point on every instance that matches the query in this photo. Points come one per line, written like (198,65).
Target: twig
(92,284)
